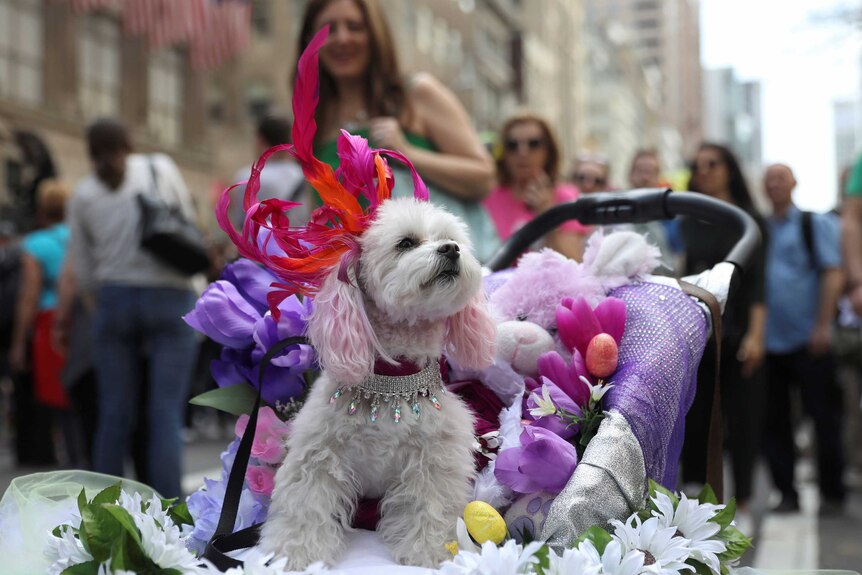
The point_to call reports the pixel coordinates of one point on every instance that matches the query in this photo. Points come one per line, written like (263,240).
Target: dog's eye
(406,243)
(521,317)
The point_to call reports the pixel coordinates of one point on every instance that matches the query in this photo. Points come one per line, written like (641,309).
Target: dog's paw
(298,557)
(300,544)
(430,557)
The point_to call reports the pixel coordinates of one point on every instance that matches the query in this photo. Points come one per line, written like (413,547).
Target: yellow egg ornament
(484,523)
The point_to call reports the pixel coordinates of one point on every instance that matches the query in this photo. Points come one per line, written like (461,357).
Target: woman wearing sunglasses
(591,173)
(528,184)
(716,173)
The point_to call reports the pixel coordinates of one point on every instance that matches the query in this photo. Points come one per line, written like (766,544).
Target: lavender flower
(543,462)
(205,507)
(234,312)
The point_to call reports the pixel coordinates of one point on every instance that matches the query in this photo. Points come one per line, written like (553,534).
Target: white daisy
(160,537)
(692,519)
(612,561)
(508,559)
(65,551)
(465,542)
(664,552)
(582,560)
(545,404)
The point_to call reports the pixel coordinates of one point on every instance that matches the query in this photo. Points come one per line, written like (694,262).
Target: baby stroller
(643,436)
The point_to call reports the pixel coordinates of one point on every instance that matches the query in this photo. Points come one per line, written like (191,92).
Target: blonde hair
(51,197)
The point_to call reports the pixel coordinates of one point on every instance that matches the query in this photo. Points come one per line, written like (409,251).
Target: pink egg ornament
(602,355)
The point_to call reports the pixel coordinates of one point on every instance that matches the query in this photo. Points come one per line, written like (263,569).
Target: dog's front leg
(312,504)
(419,513)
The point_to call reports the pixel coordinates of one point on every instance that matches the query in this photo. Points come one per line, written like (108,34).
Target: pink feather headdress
(303,256)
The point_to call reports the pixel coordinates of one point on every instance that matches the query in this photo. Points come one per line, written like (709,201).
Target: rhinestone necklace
(391,391)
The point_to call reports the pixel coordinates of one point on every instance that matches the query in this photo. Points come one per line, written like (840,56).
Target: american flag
(214,30)
(226,31)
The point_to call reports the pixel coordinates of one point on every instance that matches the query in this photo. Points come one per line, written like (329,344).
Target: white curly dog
(416,291)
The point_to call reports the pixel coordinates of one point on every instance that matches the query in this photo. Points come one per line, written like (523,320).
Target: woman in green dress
(363,92)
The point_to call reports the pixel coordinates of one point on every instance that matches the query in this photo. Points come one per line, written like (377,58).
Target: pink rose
(269,436)
(260,479)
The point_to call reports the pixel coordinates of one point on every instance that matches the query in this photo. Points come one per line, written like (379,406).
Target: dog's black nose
(450,250)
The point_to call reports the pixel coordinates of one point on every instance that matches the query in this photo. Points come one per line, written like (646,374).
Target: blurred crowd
(96,364)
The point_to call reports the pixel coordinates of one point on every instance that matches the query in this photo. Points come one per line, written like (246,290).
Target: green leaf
(656,488)
(180,514)
(598,536)
(726,515)
(166,503)
(82,500)
(235,399)
(707,495)
(56,532)
(544,562)
(736,541)
(108,495)
(88,568)
(100,529)
(128,554)
(123,518)
(699,568)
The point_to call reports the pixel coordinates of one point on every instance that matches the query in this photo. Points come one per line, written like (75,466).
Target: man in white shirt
(281,178)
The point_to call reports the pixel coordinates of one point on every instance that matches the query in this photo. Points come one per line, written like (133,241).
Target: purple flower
(553,422)
(224,315)
(252,281)
(543,462)
(234,312)
(578,323)
(228,455)
(566,376)
(205,507)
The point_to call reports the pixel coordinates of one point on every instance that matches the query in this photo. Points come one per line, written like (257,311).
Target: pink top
(509,213)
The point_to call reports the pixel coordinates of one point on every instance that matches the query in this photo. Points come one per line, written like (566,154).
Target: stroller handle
(633,207)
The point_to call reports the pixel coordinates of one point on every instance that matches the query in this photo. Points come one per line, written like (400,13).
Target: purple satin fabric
(654,386)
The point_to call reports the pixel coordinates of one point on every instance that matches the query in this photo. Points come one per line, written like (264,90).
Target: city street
(799,541)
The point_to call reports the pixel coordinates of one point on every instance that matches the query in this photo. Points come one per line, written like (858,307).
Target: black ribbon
(224,540)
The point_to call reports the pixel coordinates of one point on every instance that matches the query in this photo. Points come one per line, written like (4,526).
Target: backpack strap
(714,450)
(808,238)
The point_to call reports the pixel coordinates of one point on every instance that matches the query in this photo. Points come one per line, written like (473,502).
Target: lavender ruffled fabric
(665,335)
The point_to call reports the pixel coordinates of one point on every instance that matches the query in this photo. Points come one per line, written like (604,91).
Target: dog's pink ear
(471,335)
(340,331)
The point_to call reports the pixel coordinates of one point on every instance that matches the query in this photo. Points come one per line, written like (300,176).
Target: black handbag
(168,235)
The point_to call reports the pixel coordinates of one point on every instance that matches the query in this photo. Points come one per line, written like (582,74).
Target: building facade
(59,70)
(733,116)
(664,35)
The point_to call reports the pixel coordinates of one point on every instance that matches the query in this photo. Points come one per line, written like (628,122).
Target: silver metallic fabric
(608,483)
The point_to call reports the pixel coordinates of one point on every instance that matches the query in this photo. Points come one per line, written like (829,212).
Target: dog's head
(416,265)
